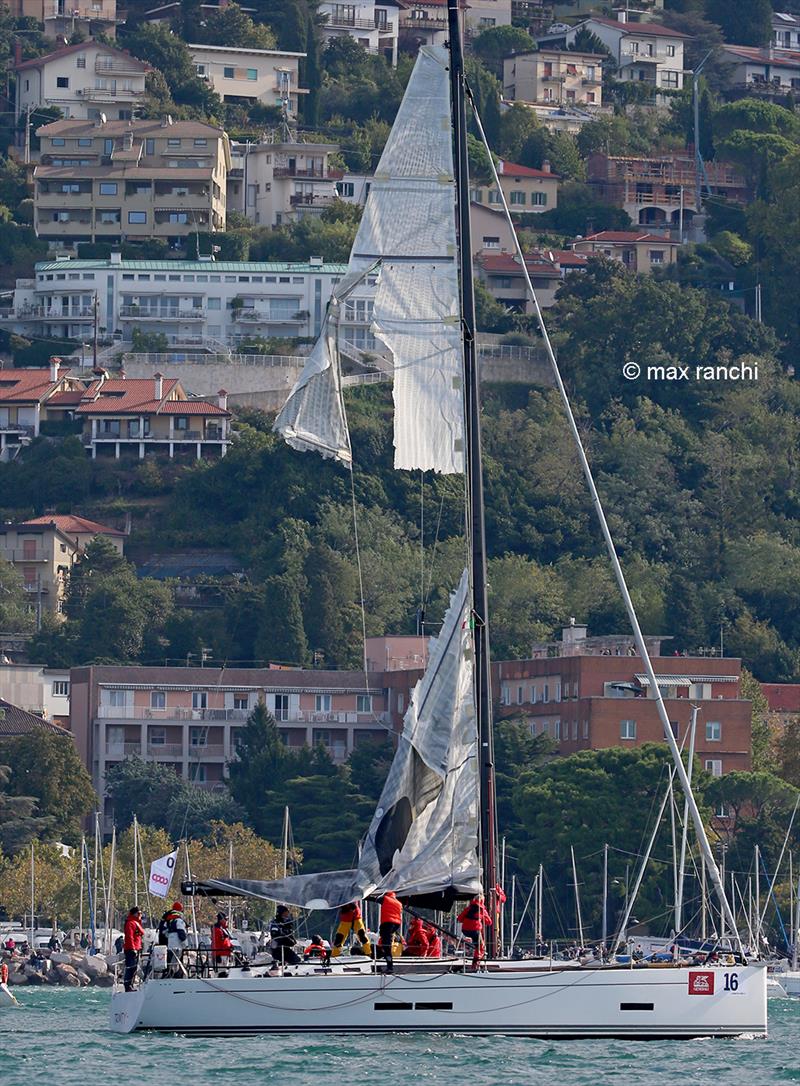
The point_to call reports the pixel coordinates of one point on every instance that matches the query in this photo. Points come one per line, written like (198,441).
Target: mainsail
(409,231)
(423,838)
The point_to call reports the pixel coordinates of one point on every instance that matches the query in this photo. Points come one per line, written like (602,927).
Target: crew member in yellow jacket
(350,921)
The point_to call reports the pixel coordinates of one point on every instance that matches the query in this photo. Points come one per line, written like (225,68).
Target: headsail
(423,838)
(409,229)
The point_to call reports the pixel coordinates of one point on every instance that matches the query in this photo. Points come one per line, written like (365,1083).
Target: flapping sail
(409,230)
(423,838)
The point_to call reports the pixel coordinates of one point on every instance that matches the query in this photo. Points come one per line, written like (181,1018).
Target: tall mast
(474,470)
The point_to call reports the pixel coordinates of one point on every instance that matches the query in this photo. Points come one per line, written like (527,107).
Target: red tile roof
(655,30)
(137,396)
(787,59)
(191,407)
(71,525)
(26,386)
(16,721)
(512,169)
(625,236)
(782,697)
(507,264)
(37,62)
(70,398)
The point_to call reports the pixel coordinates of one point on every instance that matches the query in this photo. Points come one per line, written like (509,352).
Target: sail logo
(701,984)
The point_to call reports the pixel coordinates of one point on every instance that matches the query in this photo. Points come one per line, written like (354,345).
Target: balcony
(350,22)
(428,22)
(206,750)
(255,316)
(107,94)
(594,82)
(104,15)
(20,554)
(300,171)
(554,79)
(106,65)
(311,199)
(17,428)
(123,750)
(139,313)
(165,750)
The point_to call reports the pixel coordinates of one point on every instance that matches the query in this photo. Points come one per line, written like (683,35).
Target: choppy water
(59,1037)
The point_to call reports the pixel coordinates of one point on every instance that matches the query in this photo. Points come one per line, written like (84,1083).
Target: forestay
(408,227)
(423,838)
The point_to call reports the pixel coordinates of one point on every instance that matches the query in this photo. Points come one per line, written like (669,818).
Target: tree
(19,823)
(144,789)
(231,27)
(517,125)
(487,91)
(525,604)
(156,44)
(754,115)
(774,225)
(47,766)
(495,43)
(743,22)
(15,613)
(261,756)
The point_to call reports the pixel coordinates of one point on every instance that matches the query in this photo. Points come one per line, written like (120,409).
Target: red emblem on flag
(701,984)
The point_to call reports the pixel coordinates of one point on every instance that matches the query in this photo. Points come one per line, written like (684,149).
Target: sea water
(60,1037)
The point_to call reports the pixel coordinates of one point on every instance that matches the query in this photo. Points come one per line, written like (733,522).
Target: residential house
(247,76)
(659,190)
(44,550)
(783,700)
(635,11)
(353,188)
(84,81)
(504,278)
(484,14)
(62,20)
(768,73)
(490,229)
(372,23)
(590,693)
(277,182)
(526,190)
(190,718)
(24,394)
(397,652)
(42,691)
(424,22)
(555,77)
(145,415)
(129,180)
(785,31)
(639,252)
(644,52)
(15,721)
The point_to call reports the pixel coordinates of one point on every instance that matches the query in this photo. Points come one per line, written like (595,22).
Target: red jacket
(348,914)
(391,909)
(221,939)
(134,933)
(434,944)
(417,941)
(474,916)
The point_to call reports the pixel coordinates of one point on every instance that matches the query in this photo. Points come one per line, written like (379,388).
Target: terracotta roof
(512,169)
(654,30)
(787,59)
(74,126)
(29,385)
(38,62)
(136,396)
(70,398)
(625,236)
(506,263)
(192,407)
(16,721)
(782,697)
(72,525)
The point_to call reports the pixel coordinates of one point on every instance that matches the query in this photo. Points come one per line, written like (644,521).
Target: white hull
(789,981)
(7,997)
(514,999)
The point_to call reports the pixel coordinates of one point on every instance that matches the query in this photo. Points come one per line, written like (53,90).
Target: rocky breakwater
(75,969)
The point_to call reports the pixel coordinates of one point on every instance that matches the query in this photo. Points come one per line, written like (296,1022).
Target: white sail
(409,230)
(423,839)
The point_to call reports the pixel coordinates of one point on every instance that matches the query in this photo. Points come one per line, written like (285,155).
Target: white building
(189,301)
(37,689)
(354,188)
(484,14)
(644,52)
(372,23)
(785,30)
(251,75)
(83,81)
(771,73)
(275,183)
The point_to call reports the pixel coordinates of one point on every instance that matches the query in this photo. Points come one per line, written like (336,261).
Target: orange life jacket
(348,914)
(391,910)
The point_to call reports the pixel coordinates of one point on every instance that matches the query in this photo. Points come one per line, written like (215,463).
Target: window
(85,142)
(517,197)
(520,695)
(118,698)
(669,79)
(174,141)
(70,186)
(586,729)
(557,692)
(494,196)
(491,243)
(58,141)
(670,50)
(713,731)
(713,766)
(252,73)
(323,737)
(281,707)
(213,303)
(61,688)
(179,217)
(557,729)
(201,142)
(627,729)
(108,146)
(158,699)
(157,737)
(81,62)
(241,701)
(322,703)
(108,188)
(346,188)
(62,81)
(198,737)
(197,773)
(149,146)
(545,692)
(181,422)
(364,703)
(107,217)
(656,256)
(228,73)
(199,699)
(574,730)
(590,98)
(137,217)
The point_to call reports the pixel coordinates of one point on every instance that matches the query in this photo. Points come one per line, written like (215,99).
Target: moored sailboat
(433,838)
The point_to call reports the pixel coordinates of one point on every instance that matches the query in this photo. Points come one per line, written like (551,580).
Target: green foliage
(155,43)
(743,22)
(15,613)
(329,235)
(774,225)
(517,125)
(48,767)
(486,92)
(19,822)
(579,212)
(230,26)
(148,342)
(497,42)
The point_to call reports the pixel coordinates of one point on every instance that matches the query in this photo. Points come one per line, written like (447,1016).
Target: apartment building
(129,180)
(589,693)
(62,19)
(644,52)
(424,22)
(277,182)
(84,81)
(190,718)
(44,551)
(785,31)
(660,190)
(188,301)
(639,252)
(24,394)
(526,190)
(554,76)
(372,23)
(768,73)
(251,75)
(151,415)
(42,691)
(484,14)
(504,278)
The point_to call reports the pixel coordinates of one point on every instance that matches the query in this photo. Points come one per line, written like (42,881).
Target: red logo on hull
(701,984)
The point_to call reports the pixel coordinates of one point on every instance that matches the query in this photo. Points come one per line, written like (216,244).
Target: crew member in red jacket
(132,945)
(416,940)
(434,942)
(472,920)
(391,920)
(221,942)
(350,921)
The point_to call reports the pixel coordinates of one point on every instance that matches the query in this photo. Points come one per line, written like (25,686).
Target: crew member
(4,972)
(417,941)
(317,949)
(221,942)
(281,932)
(176,933)
(434,942)
(350,921)
(472,921)
(132,945)
(391,920)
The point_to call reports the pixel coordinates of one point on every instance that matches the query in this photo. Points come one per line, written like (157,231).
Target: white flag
(161,871)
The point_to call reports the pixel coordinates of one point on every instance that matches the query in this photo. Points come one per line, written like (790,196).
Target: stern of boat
(126,1008)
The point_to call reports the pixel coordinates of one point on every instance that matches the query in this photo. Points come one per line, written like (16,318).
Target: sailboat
(433,837)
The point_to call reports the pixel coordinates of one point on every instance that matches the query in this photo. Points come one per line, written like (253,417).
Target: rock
(63,971)
(104,981)
(71,981)
(94,965)
(17,977)
(34,977)
(60,957)
(84,978)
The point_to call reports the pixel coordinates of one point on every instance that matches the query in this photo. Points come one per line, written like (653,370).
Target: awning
(687,680)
